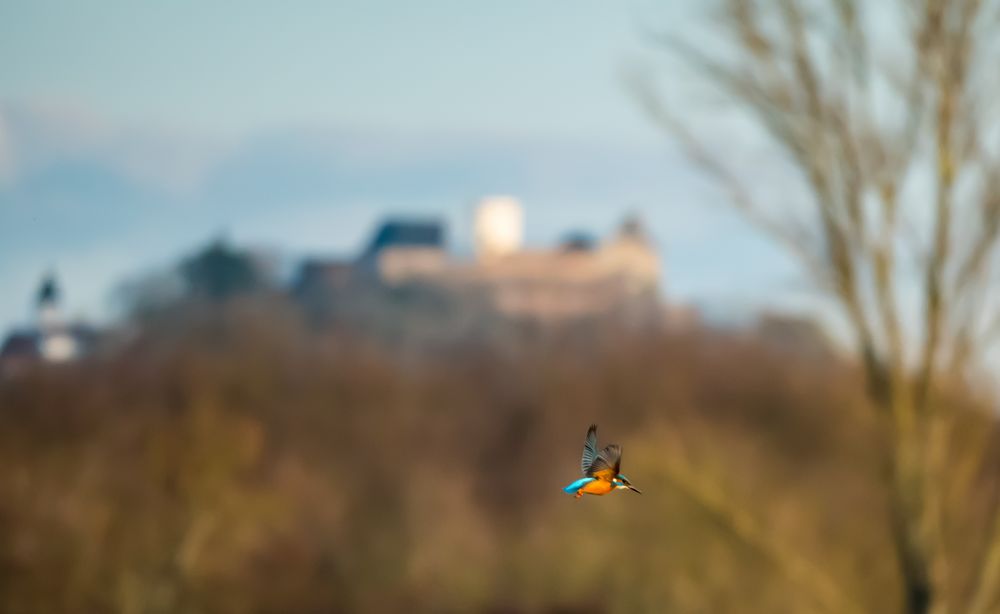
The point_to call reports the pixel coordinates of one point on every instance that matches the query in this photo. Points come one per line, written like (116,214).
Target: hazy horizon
(129,135)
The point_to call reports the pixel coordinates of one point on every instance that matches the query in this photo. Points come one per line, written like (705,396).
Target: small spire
(48,291)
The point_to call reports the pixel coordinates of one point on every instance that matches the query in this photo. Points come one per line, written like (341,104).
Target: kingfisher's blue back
(577,485)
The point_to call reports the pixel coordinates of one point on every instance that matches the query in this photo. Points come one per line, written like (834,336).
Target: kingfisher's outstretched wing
(606,464)
(589,450)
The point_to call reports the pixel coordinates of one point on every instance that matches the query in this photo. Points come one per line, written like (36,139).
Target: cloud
(39,135)
(66,149)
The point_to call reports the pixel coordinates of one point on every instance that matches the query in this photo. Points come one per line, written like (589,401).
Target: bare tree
(888,124)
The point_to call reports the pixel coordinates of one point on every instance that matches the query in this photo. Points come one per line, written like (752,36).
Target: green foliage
(219,272)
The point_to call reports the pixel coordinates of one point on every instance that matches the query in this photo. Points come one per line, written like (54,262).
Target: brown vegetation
(231,459)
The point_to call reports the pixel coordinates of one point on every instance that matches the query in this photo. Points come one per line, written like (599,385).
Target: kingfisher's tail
(577,485)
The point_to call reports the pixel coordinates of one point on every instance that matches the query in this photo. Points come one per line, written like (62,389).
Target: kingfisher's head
(621,481)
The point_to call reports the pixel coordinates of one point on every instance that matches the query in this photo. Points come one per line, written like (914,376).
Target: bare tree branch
(807,73)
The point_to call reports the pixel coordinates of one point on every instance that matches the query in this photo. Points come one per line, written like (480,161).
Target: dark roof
(578,241)
(325,267)
(322,274)
(407,233)
(20,344)
(24,343)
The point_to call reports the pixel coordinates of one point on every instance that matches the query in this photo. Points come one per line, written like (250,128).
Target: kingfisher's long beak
(634,489)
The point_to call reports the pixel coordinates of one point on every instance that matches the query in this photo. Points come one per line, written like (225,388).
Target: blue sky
(516,67)
(131,132)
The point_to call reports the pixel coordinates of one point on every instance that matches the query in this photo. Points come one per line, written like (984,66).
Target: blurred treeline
(235,454)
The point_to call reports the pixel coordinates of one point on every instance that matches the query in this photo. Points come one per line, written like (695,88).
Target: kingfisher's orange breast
(598,487)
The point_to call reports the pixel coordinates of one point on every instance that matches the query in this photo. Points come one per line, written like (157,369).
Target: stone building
(578,278)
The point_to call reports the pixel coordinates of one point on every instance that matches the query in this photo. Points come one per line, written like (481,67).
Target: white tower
(47,304)
(499,227)
(56,342)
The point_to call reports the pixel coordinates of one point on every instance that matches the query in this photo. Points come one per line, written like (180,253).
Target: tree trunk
(914,565)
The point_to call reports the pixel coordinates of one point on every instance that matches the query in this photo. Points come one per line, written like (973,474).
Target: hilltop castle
(579,278)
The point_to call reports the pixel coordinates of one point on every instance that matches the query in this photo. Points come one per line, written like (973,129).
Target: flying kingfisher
(600,469)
